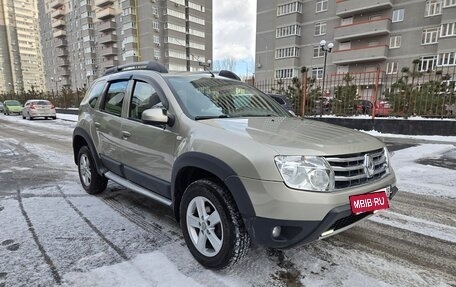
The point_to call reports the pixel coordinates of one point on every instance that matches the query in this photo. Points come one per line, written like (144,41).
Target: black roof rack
(228,74)
(150,65)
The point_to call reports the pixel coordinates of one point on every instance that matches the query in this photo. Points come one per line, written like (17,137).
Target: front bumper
(295,232)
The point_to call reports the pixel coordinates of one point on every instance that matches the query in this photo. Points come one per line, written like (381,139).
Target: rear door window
(95,93)
(113,100)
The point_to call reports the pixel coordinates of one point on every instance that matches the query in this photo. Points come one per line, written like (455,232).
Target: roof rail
(147,65)
(228,74)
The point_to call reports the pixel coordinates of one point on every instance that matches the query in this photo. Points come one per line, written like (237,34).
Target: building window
(430,36)
(391,68)
(433,7)
(292,30)
(398,15)
(317,73)
(196,20)
(156,25)
(447,59)
(284,74)
(294,7)
(289,52)
(322,5)
(449,3)
(345,45)
(320,28)
(156,39)
(395,42)
(427,63)
(448,30)
(318,52)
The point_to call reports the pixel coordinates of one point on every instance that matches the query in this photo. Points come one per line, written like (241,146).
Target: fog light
(276,231)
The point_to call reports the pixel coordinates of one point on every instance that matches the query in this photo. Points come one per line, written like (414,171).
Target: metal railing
(405,93)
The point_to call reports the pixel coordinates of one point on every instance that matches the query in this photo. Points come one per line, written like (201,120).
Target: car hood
(297,136)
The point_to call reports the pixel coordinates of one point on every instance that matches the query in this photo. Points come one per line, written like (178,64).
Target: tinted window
(144,97)
(114,98)
(95,93)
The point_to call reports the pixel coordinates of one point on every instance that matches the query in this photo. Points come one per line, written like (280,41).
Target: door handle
(97,124)
(125,135)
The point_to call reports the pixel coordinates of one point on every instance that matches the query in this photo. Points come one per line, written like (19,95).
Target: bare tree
(228,63)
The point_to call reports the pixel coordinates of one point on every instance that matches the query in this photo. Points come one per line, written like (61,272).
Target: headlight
(306,172)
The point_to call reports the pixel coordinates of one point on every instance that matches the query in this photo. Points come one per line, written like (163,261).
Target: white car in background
(38,108)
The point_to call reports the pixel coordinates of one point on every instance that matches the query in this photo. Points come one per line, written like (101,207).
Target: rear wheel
(212,226)
(91,181)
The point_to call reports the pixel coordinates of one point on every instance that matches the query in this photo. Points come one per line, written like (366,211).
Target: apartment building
(366,34)
(83,38)
(21,66)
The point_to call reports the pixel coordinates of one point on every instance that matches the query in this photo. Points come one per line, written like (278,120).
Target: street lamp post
(326,48)
(56,80)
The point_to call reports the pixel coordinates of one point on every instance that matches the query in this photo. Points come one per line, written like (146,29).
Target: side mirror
(156,116)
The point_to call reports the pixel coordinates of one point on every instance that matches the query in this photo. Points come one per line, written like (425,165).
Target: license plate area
(373,201)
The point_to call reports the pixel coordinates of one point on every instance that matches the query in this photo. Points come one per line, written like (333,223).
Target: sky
(234,32)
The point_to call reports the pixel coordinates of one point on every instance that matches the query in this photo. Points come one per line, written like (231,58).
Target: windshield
(204,98)
(12,103)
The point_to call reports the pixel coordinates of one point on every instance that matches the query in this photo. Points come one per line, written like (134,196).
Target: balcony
(363,29)
(56,4)
(59,34)
(361,54)
(346,8)
(58,24)
(106,13)
(57,14)
(62,62)
(109,63)
(106,39)
(59,43)
(109,51)
(107,26)
(61,53)
(101,3)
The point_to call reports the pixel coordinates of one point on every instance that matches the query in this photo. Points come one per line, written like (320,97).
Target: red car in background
(382,109)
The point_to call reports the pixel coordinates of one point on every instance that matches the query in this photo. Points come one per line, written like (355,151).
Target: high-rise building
(83,38)
(367,34)
(21,66)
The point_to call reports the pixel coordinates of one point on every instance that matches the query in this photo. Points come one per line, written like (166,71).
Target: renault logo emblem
(369,166)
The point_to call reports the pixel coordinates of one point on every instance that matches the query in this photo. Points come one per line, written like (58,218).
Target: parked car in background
(383,109)
(12,107)
(283,101)
(1,107)
(364,107)
(38,109)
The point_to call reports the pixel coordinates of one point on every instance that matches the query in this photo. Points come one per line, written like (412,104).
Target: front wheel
(212,226)
(91,181)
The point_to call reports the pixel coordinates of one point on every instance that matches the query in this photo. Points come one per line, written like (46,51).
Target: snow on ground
(424,179)
(171,262)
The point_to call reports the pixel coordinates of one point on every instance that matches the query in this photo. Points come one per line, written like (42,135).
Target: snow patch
(152,269)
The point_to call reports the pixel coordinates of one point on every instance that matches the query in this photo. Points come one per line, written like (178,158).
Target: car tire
(231,240)
(91,181)
(23,117)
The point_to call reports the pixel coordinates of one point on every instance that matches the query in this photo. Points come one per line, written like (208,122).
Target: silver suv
(232,164)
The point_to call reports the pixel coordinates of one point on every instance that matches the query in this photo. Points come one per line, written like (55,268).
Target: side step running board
(136,188)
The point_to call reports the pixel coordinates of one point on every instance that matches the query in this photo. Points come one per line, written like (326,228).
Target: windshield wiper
(211,117)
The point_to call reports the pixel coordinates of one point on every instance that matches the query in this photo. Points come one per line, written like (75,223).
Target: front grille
(350,170)
(346,221)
